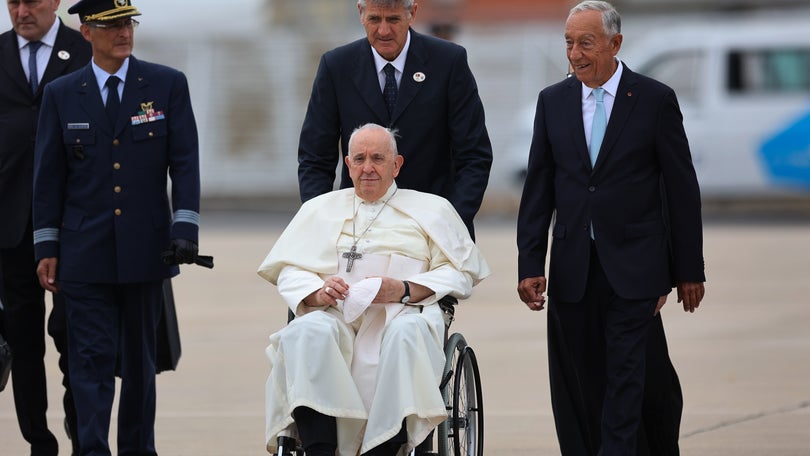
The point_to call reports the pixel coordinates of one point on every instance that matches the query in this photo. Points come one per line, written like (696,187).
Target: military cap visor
(103,10)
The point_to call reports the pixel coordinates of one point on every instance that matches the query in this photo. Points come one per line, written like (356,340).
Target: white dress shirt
(43,53)
(589,102)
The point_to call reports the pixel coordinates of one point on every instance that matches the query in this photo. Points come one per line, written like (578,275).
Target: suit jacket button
(116,142)
(118,212)
(592,189)
(117,166)
(117,189)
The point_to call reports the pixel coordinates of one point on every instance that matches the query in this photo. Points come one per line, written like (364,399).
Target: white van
(744,89)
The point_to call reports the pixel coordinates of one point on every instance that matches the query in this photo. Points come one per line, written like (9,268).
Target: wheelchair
(462,433)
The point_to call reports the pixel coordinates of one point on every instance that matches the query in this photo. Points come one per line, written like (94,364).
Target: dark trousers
(106,320)
(597,361)
(24,329)
(663,399)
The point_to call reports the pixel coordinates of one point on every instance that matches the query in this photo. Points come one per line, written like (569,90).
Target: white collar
(612,84)
(49,39)
(398,63)
(387,196)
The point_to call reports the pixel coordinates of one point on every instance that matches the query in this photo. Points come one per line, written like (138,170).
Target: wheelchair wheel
(462,434)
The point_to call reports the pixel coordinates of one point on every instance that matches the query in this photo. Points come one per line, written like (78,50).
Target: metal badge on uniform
(147,114)
(419,76)
(64,55)
(78,126)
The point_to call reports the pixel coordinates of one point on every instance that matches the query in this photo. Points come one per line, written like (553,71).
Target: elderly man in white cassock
(358,370)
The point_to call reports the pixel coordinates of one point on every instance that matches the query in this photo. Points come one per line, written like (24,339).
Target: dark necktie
(390,90)
(33,74)
(113,102)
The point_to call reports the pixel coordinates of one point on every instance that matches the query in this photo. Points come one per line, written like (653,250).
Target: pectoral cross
(351,256)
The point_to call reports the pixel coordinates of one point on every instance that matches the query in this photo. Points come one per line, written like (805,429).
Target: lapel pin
(629,94)
(64,55)
(419,76)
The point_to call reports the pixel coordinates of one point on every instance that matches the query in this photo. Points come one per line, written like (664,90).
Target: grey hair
(407,4)
(611,21)
(392,135)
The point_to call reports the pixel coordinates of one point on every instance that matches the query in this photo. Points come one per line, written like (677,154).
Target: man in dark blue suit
(108,135)
(39,49)
(610,162)
(430,99)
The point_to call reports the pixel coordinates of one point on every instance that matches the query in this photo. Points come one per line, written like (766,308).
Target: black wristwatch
(407,296)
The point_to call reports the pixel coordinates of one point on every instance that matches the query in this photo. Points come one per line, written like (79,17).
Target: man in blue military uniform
(108,135)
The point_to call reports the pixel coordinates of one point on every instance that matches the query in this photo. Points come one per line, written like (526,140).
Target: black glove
(185,251)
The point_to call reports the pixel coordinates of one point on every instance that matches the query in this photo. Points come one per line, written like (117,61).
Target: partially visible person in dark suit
(108,136)
(420,86)
(610,164)
(36,51)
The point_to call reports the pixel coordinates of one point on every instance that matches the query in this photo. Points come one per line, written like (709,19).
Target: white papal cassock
(386,365)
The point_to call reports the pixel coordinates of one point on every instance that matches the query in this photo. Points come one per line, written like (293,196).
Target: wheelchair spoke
(462,433)
(467,407)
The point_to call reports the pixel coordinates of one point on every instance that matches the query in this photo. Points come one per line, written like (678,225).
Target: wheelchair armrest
(448,306)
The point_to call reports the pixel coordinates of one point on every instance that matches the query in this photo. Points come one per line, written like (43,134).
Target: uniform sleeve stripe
(46,234)
(187,216)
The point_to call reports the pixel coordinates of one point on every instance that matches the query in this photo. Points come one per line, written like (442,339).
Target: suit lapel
(364,76)
(133,95)
(60,57)
(90,98)
(574,113)
(11,61)
(619,115)
(415,63)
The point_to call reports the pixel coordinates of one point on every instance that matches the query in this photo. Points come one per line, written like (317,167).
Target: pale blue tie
(597,129)
(599,124)
(33,74)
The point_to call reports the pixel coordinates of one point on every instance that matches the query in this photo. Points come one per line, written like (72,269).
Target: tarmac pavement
(743,357)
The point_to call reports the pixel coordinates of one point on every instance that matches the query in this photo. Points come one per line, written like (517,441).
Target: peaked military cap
(103,10)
